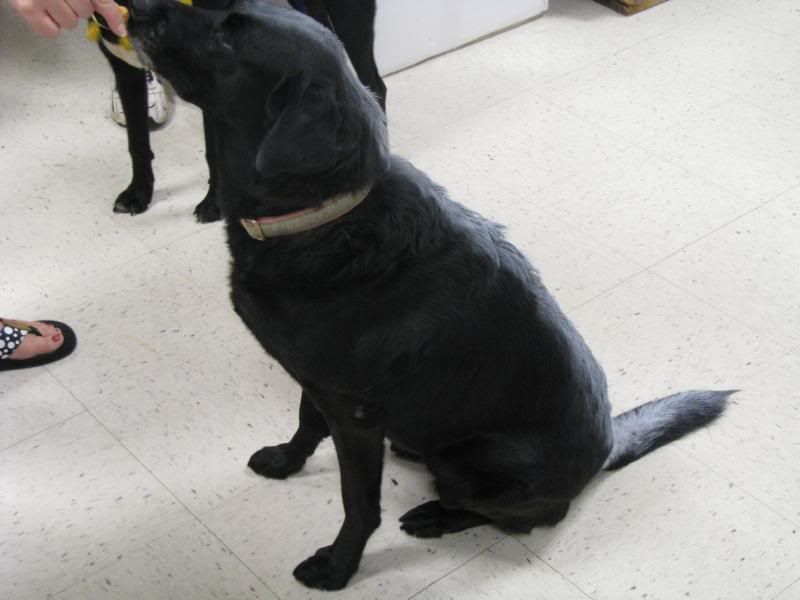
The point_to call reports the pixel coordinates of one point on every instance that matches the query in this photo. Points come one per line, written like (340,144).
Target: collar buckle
(253,229)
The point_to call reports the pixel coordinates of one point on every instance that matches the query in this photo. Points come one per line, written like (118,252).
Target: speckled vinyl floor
(650,166)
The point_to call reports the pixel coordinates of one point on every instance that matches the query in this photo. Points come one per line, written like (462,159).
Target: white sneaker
(117,114)
(160,103)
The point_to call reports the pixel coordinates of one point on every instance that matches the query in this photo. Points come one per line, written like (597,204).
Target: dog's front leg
(132,88)
(208,209)
(358,437)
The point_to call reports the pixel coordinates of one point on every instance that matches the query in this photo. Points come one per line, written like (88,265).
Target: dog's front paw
(322,572)
(134,199)
(275,462)
(208,210)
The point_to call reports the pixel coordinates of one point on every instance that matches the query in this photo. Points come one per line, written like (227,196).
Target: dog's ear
(310,132)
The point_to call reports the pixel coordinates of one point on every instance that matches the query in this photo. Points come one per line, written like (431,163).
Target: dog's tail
(650,426)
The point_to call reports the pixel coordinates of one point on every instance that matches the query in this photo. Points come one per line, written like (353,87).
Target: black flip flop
(65,349)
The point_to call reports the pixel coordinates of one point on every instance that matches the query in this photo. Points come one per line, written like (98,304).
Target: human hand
(49,17)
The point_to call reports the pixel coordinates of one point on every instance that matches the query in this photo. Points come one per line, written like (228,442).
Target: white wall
(408,31)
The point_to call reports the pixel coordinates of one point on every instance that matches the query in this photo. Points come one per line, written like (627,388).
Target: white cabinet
(408,31)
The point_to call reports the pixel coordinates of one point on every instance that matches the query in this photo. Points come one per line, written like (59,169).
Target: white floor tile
(205,258)
(640,205)
(778,16)
(539,51)
(725,51)
(525,153)
(667,527)
(132,324)
(631,96)
(779,95)
(195,426)
(72,500)
(188,563)
(741,147)
(787,206)
(441,91)
(506,570)
(791,593)
(77,236)
(748,270)
(32,400)
(654,340)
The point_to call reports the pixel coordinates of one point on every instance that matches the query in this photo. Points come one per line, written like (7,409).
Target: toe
(34,345)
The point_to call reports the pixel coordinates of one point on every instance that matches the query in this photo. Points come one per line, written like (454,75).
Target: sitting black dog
(352,20)
(401,314)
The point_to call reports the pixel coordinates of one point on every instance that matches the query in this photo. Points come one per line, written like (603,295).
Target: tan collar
(302,220)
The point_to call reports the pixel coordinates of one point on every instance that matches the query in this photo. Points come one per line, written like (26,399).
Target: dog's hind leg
(431,519)
(208,210)
(401,452)
(516,482)
(278,462)
(132,87)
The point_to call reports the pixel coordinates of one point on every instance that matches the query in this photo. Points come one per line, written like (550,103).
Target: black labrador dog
(402,314)
(352,20)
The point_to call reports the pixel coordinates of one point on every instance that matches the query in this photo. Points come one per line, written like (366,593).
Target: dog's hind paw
(208,209)
(322,571)
(405,454)
(134,199)
(431,520)
(275,462)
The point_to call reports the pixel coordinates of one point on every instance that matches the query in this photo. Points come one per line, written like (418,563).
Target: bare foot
(34,345)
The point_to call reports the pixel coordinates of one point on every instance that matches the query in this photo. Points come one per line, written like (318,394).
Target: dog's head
(279,83)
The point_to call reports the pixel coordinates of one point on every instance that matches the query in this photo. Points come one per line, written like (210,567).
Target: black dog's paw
(424,521)
(134,199)
(431,520)
(208,210)
(401,452)
(275,462)
(322,572)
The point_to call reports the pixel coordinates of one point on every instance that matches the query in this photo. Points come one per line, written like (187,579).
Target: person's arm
(49,17)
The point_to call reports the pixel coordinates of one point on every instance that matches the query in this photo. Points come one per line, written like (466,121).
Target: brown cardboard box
(630,7)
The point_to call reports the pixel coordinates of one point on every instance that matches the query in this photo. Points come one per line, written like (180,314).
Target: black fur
(410,318)
(352,20)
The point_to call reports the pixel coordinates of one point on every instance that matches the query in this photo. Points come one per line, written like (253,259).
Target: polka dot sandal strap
(10,338)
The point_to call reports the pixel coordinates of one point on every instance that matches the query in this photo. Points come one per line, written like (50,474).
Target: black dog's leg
(278,462)
(401,452)
(433,520)
(353,21)
(208,209)
(514,482)
(132,88)
(359,448)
